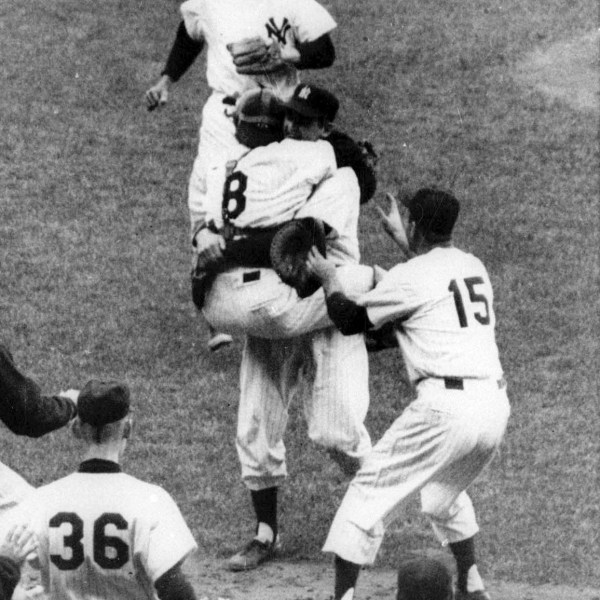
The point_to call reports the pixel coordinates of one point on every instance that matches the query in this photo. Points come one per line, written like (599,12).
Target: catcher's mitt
(289,250)
(252,56)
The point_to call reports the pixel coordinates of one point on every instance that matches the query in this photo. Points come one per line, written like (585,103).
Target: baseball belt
(459,383)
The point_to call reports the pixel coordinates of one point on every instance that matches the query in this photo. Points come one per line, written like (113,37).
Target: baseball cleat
(218,341)
(253,555)
(477,595)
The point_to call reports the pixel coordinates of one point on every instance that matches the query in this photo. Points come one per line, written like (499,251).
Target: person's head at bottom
(424,579)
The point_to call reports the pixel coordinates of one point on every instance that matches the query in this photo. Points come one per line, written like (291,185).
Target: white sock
(349,595)
(264,533)
(474,581)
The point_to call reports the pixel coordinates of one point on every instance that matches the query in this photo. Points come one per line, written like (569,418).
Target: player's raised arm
(23,409)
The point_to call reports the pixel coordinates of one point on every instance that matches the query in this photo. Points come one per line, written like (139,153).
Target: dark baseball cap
(259,118)
(424,579)
(312,101)
(103,402)
(435,213)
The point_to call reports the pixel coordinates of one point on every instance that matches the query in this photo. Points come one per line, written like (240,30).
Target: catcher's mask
(258,118)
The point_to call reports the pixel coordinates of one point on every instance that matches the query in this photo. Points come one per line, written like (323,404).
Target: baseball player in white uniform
(299,28)
(337,406)
(441,303)
(104,535)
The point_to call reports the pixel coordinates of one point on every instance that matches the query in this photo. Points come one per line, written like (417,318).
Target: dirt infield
(282,580)
(567,71)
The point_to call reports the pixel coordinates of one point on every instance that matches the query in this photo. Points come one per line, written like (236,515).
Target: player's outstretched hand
(158,94)
(392,223)
(318,266)
(20,541)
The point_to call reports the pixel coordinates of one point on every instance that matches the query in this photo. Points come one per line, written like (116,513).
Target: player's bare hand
(209,247)
(158,94)
(33,593)
(20,541)
(318,266)
(72,395)
(392,222)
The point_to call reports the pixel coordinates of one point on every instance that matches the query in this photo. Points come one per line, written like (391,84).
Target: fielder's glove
(289,250)
(252,56)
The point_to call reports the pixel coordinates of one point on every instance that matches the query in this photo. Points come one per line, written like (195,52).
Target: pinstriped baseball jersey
(220,22)
(444,301)
(105,535)
(271,183)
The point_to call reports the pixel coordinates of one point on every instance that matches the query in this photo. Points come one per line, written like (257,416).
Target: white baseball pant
(437,447)
(335,407)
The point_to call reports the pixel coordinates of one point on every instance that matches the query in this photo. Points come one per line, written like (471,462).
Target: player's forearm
(183,53)
(23,409)
(318,54)
(347,316)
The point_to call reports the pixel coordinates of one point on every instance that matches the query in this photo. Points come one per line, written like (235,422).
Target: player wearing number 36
(440,302)
(104,535)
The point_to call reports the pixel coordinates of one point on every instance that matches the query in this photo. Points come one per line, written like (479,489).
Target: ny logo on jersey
(278,33)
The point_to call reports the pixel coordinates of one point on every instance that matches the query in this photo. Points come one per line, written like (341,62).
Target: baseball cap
(259,118)
(423,579)
(312,101)
(435,213)
(103,402)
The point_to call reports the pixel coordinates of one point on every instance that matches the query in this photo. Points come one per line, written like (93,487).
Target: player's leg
(473,443)
(267,378)
(410,453)
(336,409)
(256,302)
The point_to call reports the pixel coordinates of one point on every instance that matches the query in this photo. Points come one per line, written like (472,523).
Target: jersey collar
(99,465)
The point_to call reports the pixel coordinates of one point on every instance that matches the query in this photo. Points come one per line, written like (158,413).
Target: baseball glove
(289,249)
(252,56)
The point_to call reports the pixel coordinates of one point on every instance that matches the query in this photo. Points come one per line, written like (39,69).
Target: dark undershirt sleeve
(173,585)
(23,409)
(318,54)
(183,53)
(346,315)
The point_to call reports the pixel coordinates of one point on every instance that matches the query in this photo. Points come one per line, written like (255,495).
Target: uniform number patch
(110,552)
(234,199)
(483,314)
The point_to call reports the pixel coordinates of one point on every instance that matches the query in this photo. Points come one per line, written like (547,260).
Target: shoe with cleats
(254,554)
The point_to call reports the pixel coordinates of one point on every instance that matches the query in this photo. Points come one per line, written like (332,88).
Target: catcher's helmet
(258,118)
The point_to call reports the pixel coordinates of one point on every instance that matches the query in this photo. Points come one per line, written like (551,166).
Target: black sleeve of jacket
(10,574)
(346,315)
(183,53)
(22,407)
(173,585)
(348,154)
(318,54)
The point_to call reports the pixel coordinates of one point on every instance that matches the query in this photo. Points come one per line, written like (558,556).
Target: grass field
(94,256)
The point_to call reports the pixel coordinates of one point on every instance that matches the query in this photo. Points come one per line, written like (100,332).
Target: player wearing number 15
(441,304)
(104,535)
